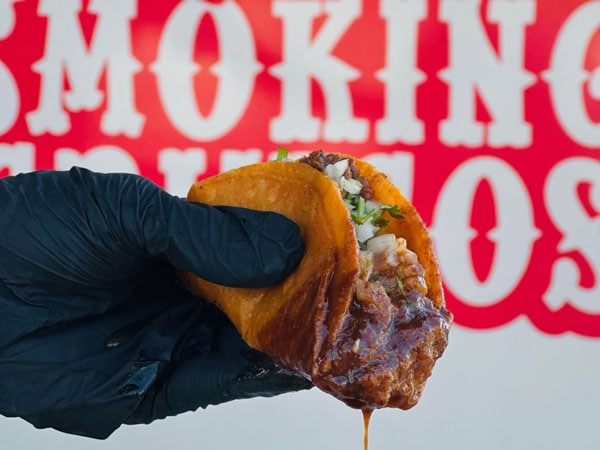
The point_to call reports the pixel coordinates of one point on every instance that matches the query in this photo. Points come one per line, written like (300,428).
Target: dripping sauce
(366,419)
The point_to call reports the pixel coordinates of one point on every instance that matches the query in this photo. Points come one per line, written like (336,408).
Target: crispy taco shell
(303,323)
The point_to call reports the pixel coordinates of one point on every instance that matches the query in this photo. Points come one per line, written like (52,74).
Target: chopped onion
(351,186)
(365,231)
(380,243)
(336,170)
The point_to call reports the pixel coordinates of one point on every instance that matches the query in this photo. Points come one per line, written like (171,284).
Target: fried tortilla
(363,318)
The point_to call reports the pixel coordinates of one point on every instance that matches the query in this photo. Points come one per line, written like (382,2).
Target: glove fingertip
(232,246)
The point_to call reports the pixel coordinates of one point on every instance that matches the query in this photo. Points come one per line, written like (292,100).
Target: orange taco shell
(312,323)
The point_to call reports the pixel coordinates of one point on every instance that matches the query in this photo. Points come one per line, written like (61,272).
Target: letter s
(581,234)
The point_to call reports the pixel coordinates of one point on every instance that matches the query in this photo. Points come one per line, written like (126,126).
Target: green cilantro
(381,221)
(352,199)
(393,211)
(359,214)
(282,153)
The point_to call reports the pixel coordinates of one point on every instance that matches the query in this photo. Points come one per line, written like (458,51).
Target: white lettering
(306,58)
(9,91)
(104,158)
(181,168)
(66,55)
(236,69)
(514,234)
(580,234)
(400,75)
(500,80)
(17,158)
(567,77)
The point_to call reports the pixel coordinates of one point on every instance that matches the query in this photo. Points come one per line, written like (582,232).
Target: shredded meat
(319,160)
(393,333)
(398,270)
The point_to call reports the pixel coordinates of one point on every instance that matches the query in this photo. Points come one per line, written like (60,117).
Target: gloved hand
(95,330)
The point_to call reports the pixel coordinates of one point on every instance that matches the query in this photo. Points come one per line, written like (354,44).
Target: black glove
(95,330)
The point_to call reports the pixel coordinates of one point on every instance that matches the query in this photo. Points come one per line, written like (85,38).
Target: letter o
(513,235)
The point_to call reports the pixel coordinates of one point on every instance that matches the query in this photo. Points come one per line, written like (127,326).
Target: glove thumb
(226,245)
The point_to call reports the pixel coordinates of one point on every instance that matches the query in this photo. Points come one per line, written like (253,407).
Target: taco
(363,315)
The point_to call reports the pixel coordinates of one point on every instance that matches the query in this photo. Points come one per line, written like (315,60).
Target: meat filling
(320,160)
(393,333)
